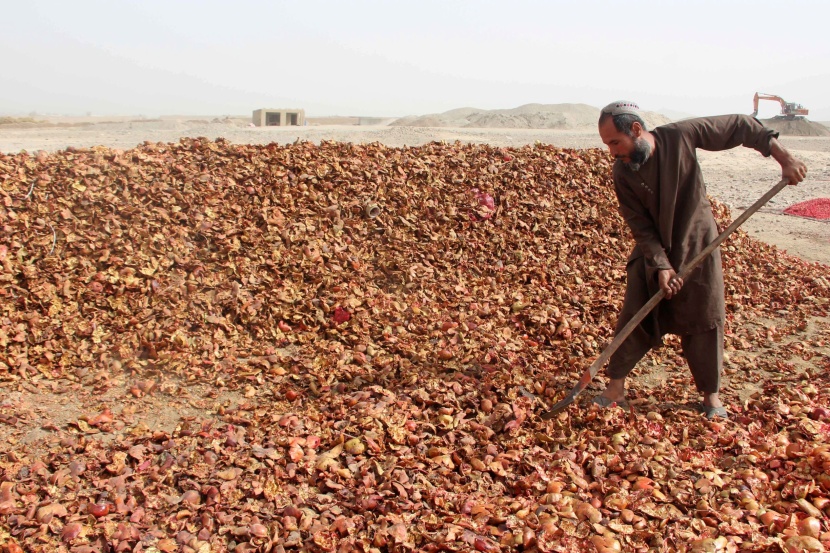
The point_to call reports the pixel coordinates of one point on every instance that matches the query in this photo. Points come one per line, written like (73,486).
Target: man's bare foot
(614,392)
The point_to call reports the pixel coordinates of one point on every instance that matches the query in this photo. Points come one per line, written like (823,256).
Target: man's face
(633,150)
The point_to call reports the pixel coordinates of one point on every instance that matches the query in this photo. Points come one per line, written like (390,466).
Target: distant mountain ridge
(528,116)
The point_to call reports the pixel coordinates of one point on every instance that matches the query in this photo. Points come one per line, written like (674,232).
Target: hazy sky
(395,58)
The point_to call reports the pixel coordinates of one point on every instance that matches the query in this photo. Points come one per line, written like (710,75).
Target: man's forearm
(792,168)
(779,153)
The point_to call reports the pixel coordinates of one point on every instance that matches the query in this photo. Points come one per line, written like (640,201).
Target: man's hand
(792,170)
(669,282)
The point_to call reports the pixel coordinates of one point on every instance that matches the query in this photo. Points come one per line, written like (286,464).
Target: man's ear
(636,129)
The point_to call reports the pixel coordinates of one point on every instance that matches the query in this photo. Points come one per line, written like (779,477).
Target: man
(662,197)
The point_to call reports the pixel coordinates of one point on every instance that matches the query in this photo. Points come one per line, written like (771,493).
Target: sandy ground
(736,177)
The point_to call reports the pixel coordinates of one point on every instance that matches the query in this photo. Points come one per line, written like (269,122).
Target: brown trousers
(703,351)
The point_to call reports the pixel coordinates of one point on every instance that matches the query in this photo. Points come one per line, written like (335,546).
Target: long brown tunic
(665,206)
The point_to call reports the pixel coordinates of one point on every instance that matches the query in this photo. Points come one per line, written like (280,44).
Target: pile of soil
(817,208)
(796,127)
(529,116)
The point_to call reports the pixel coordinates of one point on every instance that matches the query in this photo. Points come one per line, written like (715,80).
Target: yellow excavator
(789,110)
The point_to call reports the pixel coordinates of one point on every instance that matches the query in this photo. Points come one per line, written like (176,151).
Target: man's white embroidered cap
(622,106)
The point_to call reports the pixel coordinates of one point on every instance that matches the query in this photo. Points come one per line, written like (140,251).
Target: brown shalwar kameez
(665,206)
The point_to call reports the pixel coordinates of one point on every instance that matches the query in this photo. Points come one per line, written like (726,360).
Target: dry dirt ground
(41,411)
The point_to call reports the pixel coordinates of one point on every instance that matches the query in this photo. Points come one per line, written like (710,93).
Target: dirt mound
(796,127)
(528,116)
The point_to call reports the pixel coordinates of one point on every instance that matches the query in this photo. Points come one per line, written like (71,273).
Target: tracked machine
(789,110)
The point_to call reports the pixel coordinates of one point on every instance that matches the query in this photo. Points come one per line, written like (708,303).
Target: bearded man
(662,197)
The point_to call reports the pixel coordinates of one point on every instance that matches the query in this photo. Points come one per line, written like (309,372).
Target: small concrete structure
(278,117)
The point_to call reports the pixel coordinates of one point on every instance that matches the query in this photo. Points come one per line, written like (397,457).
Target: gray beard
(640,154)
